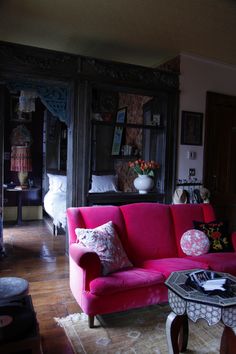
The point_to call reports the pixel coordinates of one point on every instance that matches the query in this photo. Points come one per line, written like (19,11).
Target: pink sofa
(150,234)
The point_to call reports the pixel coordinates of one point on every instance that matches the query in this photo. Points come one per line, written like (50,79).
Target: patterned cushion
(194,243)
(217,233)
(105,242)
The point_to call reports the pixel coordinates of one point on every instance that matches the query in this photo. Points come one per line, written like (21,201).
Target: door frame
(224,208)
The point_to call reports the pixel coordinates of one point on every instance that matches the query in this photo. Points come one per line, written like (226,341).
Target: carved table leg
(228,341)
(176,333)
(91,321)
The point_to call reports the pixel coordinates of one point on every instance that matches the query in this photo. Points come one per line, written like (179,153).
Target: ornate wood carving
(37,59)
(18,57)
(129,74)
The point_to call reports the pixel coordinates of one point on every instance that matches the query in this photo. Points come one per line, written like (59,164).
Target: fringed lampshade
(21,162)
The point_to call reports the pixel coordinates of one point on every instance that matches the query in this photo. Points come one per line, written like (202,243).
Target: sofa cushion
(219,262)
(105,242)
(169,265)
(194,243)
(92,217)
(149,231)
(125,280)
(217,233)
(185,214)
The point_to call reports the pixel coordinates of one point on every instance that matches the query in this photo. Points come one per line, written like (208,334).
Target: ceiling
(144,32)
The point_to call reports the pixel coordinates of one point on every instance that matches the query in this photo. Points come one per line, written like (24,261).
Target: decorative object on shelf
(27,101)
(180,196)
(126,150)
(205,194)
(21,163)
(143,183)
(145,170)
(191,128)
(16,114)
(142,167)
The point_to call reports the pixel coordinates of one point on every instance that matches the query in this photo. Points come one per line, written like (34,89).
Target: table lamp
(21,162)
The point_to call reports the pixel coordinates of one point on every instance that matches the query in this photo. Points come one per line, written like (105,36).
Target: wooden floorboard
(33,253)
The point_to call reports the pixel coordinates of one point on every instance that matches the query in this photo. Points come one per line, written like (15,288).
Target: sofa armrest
(233,238)
(86,259)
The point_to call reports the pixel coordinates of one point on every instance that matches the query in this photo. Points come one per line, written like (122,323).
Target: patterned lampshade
(21,158)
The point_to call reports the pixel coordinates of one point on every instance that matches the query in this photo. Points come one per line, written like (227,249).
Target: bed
(55,200)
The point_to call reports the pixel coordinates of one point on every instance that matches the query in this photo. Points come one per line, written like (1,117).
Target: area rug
(140,331)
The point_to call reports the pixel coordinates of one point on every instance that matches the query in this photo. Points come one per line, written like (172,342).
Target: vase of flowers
(145,170)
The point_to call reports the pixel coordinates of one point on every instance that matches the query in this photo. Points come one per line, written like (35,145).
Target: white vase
(22,176)
(143,183)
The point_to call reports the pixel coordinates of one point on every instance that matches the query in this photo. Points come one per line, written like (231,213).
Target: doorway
(219,155)
(35,131)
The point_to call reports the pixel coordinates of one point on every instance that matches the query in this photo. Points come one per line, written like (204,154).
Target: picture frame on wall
(118,131)
(117,140)
(191,128)
(121,115)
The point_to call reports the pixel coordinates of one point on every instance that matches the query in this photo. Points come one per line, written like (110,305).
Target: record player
(17,316)
(16,320)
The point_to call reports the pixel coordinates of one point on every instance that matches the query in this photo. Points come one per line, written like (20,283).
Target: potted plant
(145,170)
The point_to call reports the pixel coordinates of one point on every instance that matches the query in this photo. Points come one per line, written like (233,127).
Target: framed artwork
(191,128)
(117,139)
(121,115)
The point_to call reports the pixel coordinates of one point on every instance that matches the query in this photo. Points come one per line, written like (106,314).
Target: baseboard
(34,212)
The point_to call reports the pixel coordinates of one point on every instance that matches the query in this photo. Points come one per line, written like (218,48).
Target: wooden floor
(34,254)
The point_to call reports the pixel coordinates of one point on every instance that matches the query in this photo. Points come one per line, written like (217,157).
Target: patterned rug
(140,331)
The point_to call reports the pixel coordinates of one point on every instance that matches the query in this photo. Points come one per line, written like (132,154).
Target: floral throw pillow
(217,233)
(106,243)
(194,243)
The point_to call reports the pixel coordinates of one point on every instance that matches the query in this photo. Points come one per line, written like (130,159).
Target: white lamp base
(22,176)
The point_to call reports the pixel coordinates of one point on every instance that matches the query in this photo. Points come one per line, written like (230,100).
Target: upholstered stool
(21,333)
(12,288)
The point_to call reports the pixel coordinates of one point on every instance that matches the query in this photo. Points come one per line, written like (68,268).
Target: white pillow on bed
(104,183)
(57,183)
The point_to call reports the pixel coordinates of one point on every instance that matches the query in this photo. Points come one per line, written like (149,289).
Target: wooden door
(220,155)
(2,112)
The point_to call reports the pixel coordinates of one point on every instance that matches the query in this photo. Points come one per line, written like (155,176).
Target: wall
(199,75)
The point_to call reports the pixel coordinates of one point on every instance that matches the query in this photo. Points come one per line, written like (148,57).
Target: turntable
(18,324)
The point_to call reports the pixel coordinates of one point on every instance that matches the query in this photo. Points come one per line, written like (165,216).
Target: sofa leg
(91,321)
